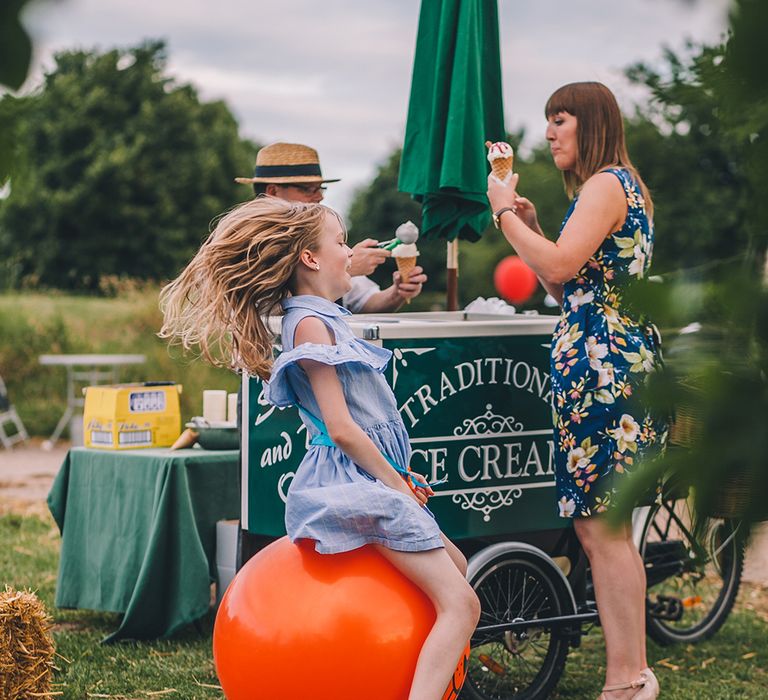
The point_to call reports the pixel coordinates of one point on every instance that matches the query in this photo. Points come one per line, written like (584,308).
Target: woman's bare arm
(601,209)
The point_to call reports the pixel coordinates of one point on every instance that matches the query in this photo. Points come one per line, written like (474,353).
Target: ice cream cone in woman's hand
(501,157)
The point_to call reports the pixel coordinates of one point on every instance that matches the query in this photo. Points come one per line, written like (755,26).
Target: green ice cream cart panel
(477,409)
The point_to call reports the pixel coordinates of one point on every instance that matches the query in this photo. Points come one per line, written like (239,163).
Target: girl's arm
(602,209)
(342,429)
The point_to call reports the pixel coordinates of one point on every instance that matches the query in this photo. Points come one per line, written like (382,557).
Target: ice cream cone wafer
(404,267)
(502,168)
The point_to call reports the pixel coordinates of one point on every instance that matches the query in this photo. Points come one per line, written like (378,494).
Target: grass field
(34,324)
(731,666)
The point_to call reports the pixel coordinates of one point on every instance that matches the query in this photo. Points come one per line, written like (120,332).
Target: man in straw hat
(292,171)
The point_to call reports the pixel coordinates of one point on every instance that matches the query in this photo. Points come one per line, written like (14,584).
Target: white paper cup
(215,405)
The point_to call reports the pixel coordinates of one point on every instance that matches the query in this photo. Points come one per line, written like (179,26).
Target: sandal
(647,683)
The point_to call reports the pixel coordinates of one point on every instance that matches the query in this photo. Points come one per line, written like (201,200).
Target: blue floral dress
(332,500)
(601,354)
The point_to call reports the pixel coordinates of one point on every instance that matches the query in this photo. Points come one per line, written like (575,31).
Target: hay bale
(26,646)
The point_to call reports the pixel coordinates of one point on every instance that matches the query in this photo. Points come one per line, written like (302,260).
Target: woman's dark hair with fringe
(599,134)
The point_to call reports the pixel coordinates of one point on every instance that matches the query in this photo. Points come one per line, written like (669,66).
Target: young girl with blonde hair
(353,488)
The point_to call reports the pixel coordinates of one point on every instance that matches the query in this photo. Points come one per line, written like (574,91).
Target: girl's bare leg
(455,554)
(458,611)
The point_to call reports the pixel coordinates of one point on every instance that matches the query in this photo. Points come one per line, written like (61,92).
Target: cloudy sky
(336,73)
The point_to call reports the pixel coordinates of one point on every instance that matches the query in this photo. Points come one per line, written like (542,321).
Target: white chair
(9,416)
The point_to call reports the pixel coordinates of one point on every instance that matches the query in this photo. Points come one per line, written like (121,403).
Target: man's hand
(411,288)
(366,257)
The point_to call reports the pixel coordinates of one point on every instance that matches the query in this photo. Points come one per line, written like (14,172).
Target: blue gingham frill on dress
(332,500)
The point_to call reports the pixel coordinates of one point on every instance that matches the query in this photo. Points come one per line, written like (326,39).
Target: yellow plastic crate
(128,416)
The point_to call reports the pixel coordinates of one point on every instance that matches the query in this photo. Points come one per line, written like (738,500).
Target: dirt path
(26,474)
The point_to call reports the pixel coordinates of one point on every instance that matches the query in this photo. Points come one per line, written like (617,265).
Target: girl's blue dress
(332,500)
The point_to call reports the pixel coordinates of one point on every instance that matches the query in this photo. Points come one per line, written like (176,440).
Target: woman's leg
(620,596)
(458,611)
(640,568)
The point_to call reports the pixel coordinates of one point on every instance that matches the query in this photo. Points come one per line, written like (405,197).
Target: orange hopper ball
(514,280)
(295,624)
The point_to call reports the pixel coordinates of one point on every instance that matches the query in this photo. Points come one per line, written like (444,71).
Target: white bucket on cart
(226,555)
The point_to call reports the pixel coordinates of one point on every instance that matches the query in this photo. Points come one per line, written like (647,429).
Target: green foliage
(721,372)
(693,162)
(35,324)
(119,171)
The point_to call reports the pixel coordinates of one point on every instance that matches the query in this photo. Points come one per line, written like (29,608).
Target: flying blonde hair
(221,301)
(599,134)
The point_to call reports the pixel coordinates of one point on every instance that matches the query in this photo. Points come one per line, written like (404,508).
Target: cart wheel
(693,579)
(526,664)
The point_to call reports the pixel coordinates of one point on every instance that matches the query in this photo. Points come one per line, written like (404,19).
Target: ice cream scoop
(404,233)
(405,250)
(407,232)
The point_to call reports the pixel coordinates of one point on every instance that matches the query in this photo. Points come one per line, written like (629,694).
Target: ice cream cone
(405,254)
(502,158)
(404,267)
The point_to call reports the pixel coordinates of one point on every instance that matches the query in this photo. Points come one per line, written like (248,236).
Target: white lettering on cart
(480,372)
(424,393)
(482,462)
(493,361)
(445,385)
(278,453)
(435,462)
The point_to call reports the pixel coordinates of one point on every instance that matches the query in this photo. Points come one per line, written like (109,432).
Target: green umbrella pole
(452,275)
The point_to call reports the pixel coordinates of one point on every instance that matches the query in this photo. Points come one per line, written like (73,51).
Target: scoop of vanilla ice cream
(407,232)
(405,250)
(500,149)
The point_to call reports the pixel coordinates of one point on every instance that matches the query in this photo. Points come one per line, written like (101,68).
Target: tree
(119,171)
(720,373)
(692,161)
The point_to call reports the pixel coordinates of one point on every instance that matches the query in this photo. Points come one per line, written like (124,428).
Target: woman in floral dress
(601,352)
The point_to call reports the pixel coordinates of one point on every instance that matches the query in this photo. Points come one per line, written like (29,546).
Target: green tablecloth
(139,533)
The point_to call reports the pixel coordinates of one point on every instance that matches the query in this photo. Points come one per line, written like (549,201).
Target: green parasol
(455,106)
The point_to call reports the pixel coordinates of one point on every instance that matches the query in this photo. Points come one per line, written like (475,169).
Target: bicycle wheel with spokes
(693,576)
(527,663)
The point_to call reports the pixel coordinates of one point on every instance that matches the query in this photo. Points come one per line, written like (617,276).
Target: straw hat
(281,163)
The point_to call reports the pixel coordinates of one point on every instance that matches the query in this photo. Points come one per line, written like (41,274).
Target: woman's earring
(317,266)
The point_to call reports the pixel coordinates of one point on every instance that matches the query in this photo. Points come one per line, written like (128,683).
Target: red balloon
(295,624)
(514,280)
